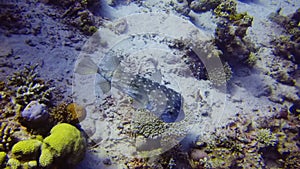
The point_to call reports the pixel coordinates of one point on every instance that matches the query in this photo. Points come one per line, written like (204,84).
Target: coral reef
(7,108)
(82,14)
(283,71)
(231,32)
(77,113)
(287,46)
(171,159)
(2,158)
(245,143)
(151,128)
(29,87)
(137,163)
(266,138)
(13,21)
(10,133)
(13,163)
(67,113)
(295,108)
(25,89)
(79,13)
(25,113)
(204,5)
(65,145)
(26,149)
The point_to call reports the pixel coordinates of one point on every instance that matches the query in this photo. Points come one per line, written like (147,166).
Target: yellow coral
(26,148)
(14,163)
(65,143)
(46,158)
(2,157)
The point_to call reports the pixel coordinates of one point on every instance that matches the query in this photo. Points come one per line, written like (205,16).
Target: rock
(35,112)
(88,126)
(295,108)
(282,114)
(120,26)
(111,2)
(197,154)
(107,161)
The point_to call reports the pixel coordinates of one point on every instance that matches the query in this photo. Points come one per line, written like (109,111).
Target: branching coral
(7,108)
(266,137)
(29,87)
(10,133)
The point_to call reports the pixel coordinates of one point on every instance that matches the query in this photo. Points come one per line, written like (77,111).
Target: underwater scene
(149,84)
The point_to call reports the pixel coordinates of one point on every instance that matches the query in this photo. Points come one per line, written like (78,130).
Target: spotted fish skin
(160,100)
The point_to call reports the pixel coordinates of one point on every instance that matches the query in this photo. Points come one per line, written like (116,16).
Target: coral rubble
(247,144)
(230,34)
(79,13)
(287,45)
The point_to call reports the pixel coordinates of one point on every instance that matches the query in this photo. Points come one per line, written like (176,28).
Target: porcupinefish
(164,102)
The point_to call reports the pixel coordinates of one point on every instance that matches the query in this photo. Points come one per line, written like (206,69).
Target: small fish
(164,102)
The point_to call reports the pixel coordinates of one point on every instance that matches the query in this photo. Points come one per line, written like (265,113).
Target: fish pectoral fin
(86,66)
(105,85)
